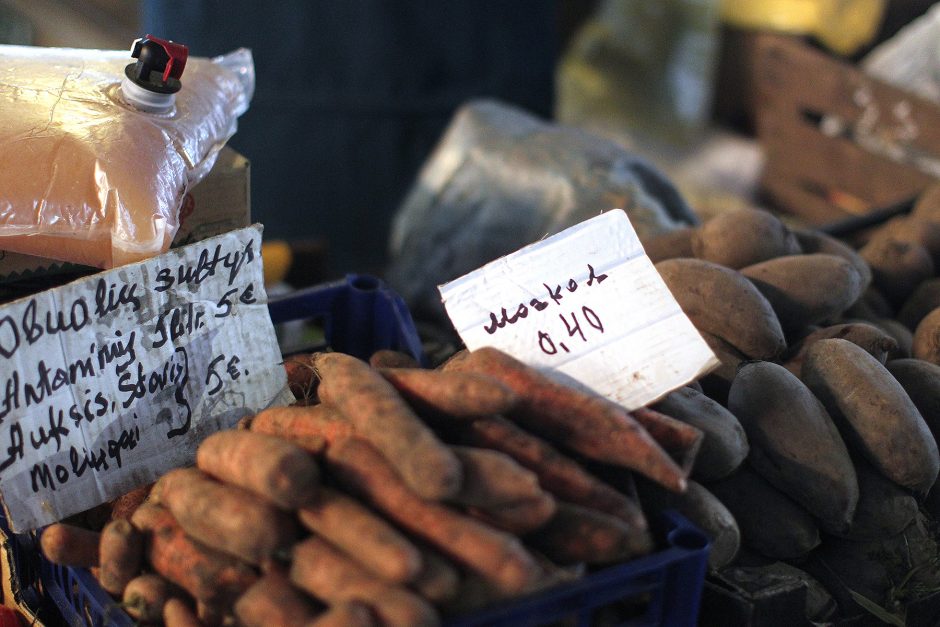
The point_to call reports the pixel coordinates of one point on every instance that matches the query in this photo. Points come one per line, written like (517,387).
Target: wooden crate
(826,176)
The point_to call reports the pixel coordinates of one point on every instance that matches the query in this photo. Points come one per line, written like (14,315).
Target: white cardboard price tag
(108,382)
(586,303)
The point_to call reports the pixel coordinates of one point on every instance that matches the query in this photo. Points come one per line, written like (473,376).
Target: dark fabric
(352,95)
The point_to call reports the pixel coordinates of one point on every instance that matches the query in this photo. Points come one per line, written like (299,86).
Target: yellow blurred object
(277,257)
(841,25)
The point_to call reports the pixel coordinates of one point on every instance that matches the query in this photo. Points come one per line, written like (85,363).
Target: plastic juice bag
(86,177)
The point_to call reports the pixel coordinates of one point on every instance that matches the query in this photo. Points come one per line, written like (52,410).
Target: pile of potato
(388,495)
(822,421)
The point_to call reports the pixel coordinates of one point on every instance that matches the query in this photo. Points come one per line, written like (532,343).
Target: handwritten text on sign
(586,303)
(112,380)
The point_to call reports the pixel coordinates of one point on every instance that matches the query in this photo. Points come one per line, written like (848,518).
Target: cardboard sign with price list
(108,382)
(586,305)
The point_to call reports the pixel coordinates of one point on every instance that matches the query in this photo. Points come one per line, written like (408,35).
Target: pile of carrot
(388,495)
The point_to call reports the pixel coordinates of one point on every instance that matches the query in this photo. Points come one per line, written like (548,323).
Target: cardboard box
(219,203)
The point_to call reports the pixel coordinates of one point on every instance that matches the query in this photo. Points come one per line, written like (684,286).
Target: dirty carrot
(176,613)
(225,517)
(520,517)
(386,358)
(368,539)
(558,474)
(438,579)
(208,575)
(300,376)
(303,425)
(145,595)
(272,468)
(681,440)
(69,545)
(124,505)
(328,574)
(457,394)
(492,479)
(273,602)
(382,417)
(584,422)
(578,534)
(495,554)
(121,553)
(345,614)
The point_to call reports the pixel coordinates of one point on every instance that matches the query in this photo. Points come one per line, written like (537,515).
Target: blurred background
(352,96)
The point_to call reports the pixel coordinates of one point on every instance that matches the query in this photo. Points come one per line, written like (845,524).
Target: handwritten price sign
(586,303)
(110,381)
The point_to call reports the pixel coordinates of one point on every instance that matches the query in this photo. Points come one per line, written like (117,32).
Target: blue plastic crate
(359,315)
(663,588)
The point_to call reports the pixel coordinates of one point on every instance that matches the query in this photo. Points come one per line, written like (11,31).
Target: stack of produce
(387,495)
(816,343)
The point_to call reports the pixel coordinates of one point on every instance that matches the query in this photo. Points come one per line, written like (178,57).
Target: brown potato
(723,303)
(794,443)
(897,267)
(873,412)
(806,289)
(743,237)
(926,344)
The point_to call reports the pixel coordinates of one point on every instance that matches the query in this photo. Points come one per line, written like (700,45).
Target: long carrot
(681,440)
(438,580)
(328,574)
(457,394)
(365,537)
(380,416)
(278,471)
(586,423)
(124,505)
(558,474)
(300,376)
(386,358)
(520,517)
(206,574)
(176,613)
(145,595)
(304,425)
(69,545)
(493,479)
(346,614)
(494,554)
(225,517)
(578,534)
(273,602)
(121,553)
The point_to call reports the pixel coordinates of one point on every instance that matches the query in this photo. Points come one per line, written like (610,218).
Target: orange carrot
(208,575)
(225,517)
(176,613)
(681,440)
(494,554)
(520,517)
(493,479)
(379,415)
(328,574)
(145,595)
(124,505)
(362,535)
(386,358)
(558,474)
(586,423)
(121,553)
(346,614)
(278,471)
(301,377)
(273,602)
(69,545)
(457,394)
(578,534)
(301,425)
(438,580)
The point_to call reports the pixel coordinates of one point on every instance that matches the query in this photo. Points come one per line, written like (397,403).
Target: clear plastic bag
(87,178)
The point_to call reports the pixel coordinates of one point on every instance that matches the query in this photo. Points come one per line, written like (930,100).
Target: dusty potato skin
(771,523)
(897,267)
(926,343)
(925,299)
(723,303)
(874,340)
(921,380)
(884,509)
(743,237)
(806,289)
(670,245)
(794,443)
(812,241)
(873,412)
(724,447)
